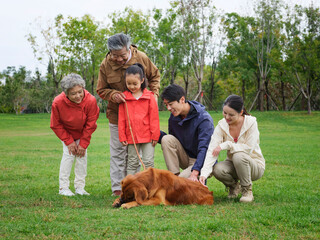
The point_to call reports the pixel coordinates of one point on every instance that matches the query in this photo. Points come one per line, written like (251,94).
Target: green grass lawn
(286,206)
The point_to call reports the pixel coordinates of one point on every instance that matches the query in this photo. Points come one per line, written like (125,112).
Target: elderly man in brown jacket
(111,84)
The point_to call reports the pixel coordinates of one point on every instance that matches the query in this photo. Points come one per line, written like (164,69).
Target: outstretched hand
(202,180)
(194,176)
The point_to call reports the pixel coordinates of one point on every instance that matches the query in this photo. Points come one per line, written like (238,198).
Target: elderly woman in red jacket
(73,119)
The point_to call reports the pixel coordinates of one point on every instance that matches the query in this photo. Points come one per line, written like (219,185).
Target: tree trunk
(262,94)
(243,89)
(200,91)
(186,82)
(283,96)
(267,93)
(213,70)
(93,77)
(172,77)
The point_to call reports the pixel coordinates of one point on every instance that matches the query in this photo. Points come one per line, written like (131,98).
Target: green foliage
(286,202)
(13,96)
(271,57)
(134,23)
(84,44)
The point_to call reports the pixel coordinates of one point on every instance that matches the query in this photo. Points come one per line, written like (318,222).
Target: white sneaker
(81,191)
(66,192)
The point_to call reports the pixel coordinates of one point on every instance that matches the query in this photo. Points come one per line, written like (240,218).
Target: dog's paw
(125,206)
(116,203)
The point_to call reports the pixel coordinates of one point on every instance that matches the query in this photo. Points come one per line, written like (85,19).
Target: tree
(303,51)
(48,49)
(196,18)
(167,44)
(267,32)
(134,23)
(239,61)
(13,96)
(84,45)
(40,95)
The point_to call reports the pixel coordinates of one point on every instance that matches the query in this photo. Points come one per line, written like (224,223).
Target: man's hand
(194,176)
(80,151)
(72,147)
(124,143)
(118,97)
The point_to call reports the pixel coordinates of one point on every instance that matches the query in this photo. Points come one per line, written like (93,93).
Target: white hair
(118,41)
(70,81)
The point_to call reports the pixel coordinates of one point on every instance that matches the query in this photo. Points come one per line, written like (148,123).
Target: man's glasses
(122,56)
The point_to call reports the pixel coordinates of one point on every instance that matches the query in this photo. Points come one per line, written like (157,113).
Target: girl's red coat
(144,118)
(71,121)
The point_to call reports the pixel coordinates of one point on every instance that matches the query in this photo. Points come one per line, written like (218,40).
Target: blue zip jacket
(194,132)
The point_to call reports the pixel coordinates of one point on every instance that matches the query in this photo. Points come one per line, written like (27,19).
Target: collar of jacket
(198,108)
(146,94)
(248,122)
(132,60)
(76,105)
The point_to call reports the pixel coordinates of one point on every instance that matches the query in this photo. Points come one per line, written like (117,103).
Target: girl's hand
(202,180)
(216,151)
(124,143)
(72,147)
(154,143)
(80,151)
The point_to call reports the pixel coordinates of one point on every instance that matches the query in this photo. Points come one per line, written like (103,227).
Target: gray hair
(118,41)
(70,81)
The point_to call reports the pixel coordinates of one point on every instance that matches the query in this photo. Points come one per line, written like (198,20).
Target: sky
(17,19)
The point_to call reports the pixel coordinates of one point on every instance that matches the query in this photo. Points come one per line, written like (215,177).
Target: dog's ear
(140,193)
(127,180)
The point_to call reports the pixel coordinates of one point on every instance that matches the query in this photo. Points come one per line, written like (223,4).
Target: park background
(268,53)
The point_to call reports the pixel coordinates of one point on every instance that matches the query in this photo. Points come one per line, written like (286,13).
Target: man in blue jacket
(190,131)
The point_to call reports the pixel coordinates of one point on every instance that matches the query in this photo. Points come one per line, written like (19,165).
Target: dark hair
(137,68)
(236,103)
(173,93)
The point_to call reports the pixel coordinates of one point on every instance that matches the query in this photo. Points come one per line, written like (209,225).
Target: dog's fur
(154,186)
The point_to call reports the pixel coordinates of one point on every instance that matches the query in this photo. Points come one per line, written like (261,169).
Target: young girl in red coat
(144,119)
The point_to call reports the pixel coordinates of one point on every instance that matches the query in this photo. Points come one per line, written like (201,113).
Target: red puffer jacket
(71,121)
(144,118)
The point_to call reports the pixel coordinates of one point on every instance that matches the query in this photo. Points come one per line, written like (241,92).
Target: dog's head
(132,190)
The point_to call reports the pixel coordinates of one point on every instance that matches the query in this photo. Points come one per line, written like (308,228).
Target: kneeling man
(190,131)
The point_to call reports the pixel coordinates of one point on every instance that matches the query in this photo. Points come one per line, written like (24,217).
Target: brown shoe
(234,190)
(116,193)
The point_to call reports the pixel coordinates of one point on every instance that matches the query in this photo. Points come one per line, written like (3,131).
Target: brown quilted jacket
(111,79)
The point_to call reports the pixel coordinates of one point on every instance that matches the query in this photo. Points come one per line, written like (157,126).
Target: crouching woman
(73,119)
(237,133)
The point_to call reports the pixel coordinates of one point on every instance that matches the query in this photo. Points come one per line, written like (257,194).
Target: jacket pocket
(114,79)
(116,83)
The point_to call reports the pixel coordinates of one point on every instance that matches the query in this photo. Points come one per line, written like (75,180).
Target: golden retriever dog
(154,186)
